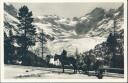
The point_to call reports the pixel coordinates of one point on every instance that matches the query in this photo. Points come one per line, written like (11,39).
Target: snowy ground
(28,72)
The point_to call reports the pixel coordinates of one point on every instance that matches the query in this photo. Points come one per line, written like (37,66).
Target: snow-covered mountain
(70,34)
(100,22)
(59,28)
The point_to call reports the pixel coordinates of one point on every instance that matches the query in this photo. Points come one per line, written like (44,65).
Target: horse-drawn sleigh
(98,71)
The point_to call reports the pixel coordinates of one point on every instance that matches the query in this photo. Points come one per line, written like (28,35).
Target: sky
(68,10)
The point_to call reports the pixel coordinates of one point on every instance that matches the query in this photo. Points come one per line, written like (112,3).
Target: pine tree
(8,48)
(112,45)
(6,53)
(42,38)
(27,32)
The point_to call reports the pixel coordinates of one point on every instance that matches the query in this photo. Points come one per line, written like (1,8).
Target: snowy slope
(10,23)
(9,18)
(55,29)
(106,25)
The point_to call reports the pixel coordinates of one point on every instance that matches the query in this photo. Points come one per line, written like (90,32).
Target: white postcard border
(61,80)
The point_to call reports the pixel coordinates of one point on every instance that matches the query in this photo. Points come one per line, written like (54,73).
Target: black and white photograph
(64,40)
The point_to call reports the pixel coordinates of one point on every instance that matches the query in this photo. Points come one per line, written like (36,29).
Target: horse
(66,61)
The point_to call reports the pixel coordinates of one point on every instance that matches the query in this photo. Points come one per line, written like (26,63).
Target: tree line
(25,38)
(110,53)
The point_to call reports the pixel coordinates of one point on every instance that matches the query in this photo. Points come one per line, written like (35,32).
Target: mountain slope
(106,24)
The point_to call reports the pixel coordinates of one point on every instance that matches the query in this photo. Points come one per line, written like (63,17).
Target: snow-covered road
(28,72)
